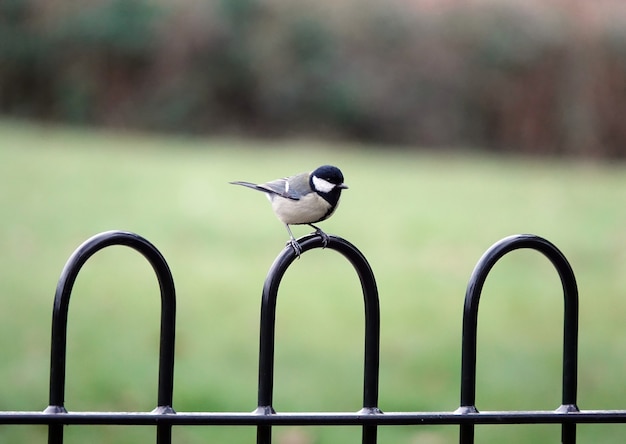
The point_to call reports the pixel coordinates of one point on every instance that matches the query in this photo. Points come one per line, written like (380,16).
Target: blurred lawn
(423,221)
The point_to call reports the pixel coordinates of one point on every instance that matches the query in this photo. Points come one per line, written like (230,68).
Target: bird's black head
(327,181)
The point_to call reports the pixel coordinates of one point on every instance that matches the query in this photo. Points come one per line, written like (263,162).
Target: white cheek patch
(322,185)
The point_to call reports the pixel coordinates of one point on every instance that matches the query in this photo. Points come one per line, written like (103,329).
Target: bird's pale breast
(310,208)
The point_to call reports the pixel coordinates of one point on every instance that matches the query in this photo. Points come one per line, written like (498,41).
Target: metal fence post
(570,328)
(59,325)
(267,330)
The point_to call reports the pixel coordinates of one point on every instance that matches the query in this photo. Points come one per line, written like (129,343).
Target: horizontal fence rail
(314,418)
(163,417)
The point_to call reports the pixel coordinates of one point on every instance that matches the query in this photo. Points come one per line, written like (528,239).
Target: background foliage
(540,77)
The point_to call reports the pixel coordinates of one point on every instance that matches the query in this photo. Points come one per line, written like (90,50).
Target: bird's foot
(324,236)
(296,247)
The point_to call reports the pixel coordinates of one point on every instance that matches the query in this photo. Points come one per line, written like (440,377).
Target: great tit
(305,198)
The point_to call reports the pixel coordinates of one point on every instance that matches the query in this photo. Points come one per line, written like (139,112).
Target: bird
(303,199)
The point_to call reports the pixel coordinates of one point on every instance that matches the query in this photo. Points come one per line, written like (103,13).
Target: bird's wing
(281,188)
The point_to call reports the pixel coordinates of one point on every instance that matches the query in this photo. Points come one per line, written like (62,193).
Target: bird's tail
(254,186)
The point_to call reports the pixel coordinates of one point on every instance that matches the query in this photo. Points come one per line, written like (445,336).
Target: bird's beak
(342,186)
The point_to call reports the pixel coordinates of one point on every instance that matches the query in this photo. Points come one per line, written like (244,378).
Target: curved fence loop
(60,313)
(268,321)
(570,326)
(264,418)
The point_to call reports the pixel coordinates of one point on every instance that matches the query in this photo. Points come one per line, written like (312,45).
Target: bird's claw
(296,247)
(324,236)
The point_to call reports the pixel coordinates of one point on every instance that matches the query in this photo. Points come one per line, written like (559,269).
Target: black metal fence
(369,417)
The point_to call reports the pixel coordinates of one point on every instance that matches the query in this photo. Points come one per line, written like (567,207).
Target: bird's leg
(293,242)
(320,233)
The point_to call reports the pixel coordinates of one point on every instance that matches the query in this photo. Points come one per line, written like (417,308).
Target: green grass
(422,220)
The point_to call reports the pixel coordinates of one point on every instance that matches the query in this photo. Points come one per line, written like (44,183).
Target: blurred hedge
(500,75)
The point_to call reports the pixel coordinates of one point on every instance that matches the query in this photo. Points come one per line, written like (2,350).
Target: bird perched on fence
(305,198)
